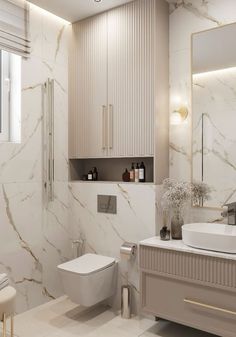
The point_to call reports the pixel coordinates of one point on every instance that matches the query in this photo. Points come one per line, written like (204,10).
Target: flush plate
(107,204)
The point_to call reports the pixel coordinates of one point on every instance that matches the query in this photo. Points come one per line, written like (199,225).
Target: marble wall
(35,237)
(187,17)
(214,106)
(105,233)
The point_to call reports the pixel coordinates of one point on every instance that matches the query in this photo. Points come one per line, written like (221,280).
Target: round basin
(210,236)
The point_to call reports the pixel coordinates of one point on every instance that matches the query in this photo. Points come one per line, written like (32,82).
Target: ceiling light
(214,72)
(97,0)
(49,14)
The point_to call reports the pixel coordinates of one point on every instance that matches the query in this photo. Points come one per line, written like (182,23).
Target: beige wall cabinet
(88,86)
(131,45)
(117,60)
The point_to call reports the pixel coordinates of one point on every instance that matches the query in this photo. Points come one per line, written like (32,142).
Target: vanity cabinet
(189,288)
(119,82)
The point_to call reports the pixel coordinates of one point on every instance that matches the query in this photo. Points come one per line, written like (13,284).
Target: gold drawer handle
(203,305)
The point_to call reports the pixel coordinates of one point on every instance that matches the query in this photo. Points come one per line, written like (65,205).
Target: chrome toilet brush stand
(126,301)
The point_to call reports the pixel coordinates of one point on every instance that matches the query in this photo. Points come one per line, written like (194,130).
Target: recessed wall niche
(109,169)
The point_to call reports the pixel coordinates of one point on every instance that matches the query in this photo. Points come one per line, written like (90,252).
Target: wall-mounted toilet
(89,279)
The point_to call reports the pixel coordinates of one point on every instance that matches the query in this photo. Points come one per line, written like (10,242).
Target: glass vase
(177,222)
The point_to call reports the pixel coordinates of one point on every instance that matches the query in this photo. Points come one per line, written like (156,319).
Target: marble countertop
(180,246)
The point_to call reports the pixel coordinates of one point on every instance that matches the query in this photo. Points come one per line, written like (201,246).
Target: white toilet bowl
(89,279)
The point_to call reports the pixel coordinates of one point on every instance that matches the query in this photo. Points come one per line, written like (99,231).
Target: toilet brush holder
(126,301)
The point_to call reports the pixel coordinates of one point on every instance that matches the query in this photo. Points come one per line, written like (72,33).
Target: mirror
(214,113)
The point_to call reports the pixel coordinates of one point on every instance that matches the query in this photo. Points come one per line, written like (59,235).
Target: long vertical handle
(51,137)
(48,103)
(203,115)
(104,123)
(110,136)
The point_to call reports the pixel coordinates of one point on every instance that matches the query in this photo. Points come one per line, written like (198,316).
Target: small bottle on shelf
(131,173)
(136,173)
(142,175)
(126,176)
(90,176)
(95,174)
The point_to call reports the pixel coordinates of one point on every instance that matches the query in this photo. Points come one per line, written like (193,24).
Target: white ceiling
(74,10)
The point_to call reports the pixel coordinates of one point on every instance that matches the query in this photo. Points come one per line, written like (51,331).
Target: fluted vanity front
(189,286)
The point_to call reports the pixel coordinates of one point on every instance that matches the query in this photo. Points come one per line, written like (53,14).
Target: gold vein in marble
(24,244)
(200,11)
(59,37)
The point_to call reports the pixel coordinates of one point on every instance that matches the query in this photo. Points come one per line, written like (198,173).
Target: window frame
(4,96)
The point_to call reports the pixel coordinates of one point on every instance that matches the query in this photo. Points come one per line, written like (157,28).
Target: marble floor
(62,318)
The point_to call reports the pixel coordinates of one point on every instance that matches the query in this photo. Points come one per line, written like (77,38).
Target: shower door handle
(49,138)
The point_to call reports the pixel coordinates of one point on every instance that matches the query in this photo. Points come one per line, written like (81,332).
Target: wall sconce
(179,116)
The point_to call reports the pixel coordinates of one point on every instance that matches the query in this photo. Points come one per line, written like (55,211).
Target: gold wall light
(179,116)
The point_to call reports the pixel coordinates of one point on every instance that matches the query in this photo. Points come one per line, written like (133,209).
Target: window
(4,96)
(10,97)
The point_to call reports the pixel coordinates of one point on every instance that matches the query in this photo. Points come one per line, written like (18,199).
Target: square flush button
(107,204)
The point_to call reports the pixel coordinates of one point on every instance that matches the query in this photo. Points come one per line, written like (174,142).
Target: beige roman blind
(14,27)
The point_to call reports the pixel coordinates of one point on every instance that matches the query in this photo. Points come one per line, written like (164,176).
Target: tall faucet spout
(229,211)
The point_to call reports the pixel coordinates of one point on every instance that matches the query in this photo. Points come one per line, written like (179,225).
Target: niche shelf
(109,169)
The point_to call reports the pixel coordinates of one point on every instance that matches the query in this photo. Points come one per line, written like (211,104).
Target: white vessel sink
(210,236)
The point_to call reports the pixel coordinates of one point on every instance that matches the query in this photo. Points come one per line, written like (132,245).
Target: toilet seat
(87,264)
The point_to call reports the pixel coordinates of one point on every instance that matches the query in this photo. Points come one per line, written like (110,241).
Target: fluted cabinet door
(89,82)
(131,79)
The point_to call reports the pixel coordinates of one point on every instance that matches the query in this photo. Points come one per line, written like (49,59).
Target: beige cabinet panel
(201,307)
(131,79)
(88,76)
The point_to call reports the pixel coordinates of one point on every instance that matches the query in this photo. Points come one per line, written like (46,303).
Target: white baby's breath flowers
(200,193)
(177,194)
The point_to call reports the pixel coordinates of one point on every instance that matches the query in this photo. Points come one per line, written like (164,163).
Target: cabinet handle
(110,126)
(104,127)
(207,306)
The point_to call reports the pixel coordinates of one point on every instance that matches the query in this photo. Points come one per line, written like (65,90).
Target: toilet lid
(87,264)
